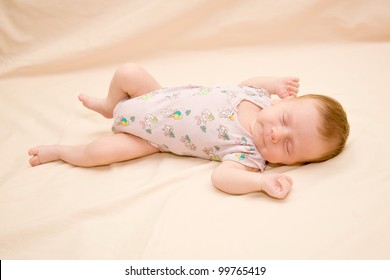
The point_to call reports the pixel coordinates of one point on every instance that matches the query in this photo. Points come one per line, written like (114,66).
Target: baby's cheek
(269,155)
(277,154)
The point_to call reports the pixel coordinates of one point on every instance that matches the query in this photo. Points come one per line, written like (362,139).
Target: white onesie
(194,121)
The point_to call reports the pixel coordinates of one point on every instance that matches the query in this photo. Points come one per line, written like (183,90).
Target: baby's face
(286,132)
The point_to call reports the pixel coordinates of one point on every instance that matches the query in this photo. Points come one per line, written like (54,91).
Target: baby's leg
(103,151)
(130,80)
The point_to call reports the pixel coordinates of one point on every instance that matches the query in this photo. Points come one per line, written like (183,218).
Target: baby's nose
(274,136)
(277,134)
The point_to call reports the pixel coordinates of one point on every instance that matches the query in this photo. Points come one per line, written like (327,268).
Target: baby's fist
(286,87)
(277,185)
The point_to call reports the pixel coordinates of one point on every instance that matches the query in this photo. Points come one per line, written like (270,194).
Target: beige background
(163,206)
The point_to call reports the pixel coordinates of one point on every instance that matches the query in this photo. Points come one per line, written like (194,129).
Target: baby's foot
(42,154)
(96,104)
(287,86)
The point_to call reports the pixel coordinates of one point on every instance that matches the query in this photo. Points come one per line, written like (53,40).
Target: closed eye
(284,118)
(286,144)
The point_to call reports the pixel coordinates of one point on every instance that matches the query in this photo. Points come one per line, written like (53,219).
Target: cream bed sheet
(163,206)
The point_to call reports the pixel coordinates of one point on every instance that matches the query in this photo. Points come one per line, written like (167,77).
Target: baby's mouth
(263,134)
(262,137)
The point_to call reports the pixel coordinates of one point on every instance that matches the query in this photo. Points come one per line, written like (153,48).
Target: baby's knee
(129,70)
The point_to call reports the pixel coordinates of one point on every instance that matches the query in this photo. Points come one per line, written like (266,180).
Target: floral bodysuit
(194,121)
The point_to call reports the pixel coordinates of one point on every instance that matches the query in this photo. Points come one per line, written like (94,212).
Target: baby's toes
(34,161)
(33,151)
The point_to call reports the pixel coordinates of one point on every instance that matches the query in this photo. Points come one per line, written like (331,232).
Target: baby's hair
(333,127)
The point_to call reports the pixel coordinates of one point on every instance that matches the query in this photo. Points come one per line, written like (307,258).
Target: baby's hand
(286,86)
(276,184)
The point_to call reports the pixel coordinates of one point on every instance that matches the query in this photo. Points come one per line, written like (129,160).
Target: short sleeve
(250,160)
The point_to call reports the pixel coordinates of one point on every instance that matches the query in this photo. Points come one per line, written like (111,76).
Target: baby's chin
(274,163)
(264,153)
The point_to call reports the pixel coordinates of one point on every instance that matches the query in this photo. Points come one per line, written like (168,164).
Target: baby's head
(333,125)
(309,128)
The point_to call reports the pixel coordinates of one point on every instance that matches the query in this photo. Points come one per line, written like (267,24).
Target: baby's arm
(235,178)
(281,86)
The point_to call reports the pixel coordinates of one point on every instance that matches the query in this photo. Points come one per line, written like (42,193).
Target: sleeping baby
(239,126)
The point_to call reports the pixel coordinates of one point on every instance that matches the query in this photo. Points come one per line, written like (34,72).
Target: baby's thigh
(119,147)
(128,146)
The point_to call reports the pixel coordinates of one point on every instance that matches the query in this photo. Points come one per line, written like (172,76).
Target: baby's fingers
(292,91)
(294,81)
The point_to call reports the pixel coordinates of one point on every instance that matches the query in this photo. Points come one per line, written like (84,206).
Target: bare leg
(103,151)
(129,81)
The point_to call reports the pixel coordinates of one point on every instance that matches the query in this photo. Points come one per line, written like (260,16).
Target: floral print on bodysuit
(195,121)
